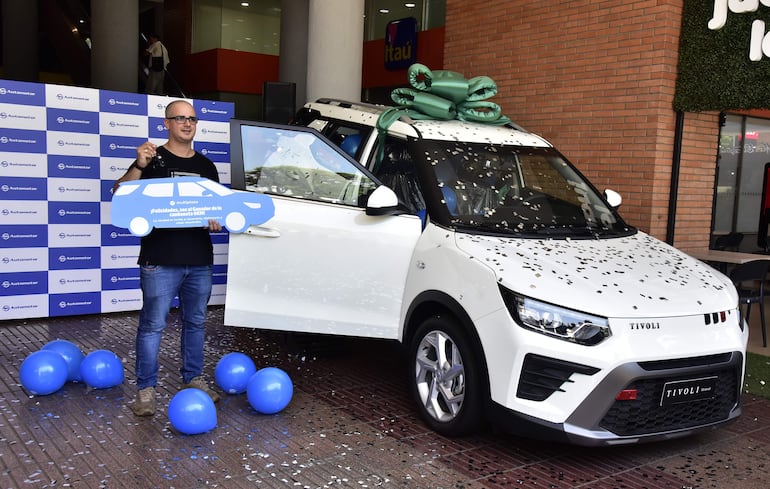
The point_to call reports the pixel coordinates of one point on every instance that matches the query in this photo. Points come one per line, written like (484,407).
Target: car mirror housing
(382,201)
(613,198)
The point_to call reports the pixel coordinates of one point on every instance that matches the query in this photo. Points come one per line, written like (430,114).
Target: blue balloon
(350,144)
(43,372)
(269,390)
(233,372)
(71,354)
(101,369)
(191,411)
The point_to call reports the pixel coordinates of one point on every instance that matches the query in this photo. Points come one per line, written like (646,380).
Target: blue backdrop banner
(61,150)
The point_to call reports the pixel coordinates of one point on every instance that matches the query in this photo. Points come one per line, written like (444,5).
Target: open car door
(322,263)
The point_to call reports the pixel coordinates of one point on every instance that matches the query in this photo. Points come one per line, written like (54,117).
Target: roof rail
(349,104)
(379,108)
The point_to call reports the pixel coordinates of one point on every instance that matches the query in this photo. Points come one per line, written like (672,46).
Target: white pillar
(115,44)
(335,49)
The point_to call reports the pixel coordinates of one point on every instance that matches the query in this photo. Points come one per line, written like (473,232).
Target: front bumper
(601,419)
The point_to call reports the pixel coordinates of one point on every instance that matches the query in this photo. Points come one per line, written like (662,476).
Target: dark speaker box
(278,102)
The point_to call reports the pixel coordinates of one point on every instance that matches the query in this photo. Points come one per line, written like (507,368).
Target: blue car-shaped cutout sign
(140,205)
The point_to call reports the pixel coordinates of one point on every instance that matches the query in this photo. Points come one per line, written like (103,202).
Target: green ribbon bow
(441,95)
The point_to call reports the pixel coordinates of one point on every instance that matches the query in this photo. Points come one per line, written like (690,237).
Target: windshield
(529,192)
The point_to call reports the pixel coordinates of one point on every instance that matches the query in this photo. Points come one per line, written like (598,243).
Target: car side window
(300,164)
(347,137)
(397,171)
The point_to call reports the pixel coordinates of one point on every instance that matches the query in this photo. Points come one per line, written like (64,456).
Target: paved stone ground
(350,424)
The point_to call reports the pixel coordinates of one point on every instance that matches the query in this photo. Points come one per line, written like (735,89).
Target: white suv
(520,294)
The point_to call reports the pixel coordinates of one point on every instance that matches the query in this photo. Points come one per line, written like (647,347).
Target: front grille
(645,415)
(542,376)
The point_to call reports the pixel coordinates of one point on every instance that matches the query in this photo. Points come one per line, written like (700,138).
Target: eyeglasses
(180,119)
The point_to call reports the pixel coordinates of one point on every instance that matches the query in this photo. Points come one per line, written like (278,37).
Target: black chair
(749,279)
(730,241)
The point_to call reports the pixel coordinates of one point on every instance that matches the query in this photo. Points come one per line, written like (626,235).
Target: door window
(297,162)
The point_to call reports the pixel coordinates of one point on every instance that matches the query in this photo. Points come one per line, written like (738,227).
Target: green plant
(757,380)
(714,71)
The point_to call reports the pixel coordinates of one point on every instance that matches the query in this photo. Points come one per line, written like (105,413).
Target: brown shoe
(145,402)
(200,383)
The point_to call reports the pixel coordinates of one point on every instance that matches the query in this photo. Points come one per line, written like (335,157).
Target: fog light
(626,395)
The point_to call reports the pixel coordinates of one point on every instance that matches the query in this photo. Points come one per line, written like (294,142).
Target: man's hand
(214,226)
(145,153)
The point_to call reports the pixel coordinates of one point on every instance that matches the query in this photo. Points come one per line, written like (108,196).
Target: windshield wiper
(564,231)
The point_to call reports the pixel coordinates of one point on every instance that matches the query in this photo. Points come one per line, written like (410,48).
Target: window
(253,26)
(744,148)
(429,14)
(297,163)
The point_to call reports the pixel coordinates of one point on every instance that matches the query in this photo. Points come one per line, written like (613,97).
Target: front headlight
(559,322)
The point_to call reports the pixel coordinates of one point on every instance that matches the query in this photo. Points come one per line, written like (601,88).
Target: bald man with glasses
(173,261)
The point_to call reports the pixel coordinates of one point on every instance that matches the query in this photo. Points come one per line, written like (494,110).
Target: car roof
(443,130)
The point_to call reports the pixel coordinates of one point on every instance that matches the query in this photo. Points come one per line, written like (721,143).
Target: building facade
(605,81)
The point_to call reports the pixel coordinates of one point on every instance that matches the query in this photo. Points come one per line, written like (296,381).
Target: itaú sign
(760,41)
(401,43)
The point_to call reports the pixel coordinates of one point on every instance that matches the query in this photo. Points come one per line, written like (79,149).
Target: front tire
(446,379)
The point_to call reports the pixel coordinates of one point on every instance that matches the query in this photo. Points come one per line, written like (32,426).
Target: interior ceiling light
(384,11)
(244,4)
(410,5)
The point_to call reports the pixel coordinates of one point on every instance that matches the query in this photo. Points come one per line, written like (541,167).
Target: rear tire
(139,226)
(445,377)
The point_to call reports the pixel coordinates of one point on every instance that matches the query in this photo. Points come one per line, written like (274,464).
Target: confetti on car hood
(635,276)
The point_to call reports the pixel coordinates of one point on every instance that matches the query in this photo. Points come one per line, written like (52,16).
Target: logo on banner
(120,279)
(22,141)
(84,235)
(73,258)
(74,304)
(73,189)
(215,132)
(122,147)
(76,121)
(24,165)
(23,283)
(73,212)
(216,152)
(125,125)
(72,98)
(68,166)
(210,111)
(24,236)
(22,117)
(21,93)
(20,188)
(122,102)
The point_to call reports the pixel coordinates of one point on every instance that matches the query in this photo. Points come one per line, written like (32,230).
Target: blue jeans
(160,284)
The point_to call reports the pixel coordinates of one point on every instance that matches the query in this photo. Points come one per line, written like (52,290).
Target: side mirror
(383,201)
(613,198)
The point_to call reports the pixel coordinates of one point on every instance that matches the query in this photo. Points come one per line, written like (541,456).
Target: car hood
(635,276)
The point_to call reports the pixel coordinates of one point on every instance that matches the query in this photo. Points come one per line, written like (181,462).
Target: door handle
(263,232)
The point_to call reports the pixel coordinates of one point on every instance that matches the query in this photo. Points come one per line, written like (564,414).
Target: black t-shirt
(178,246)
